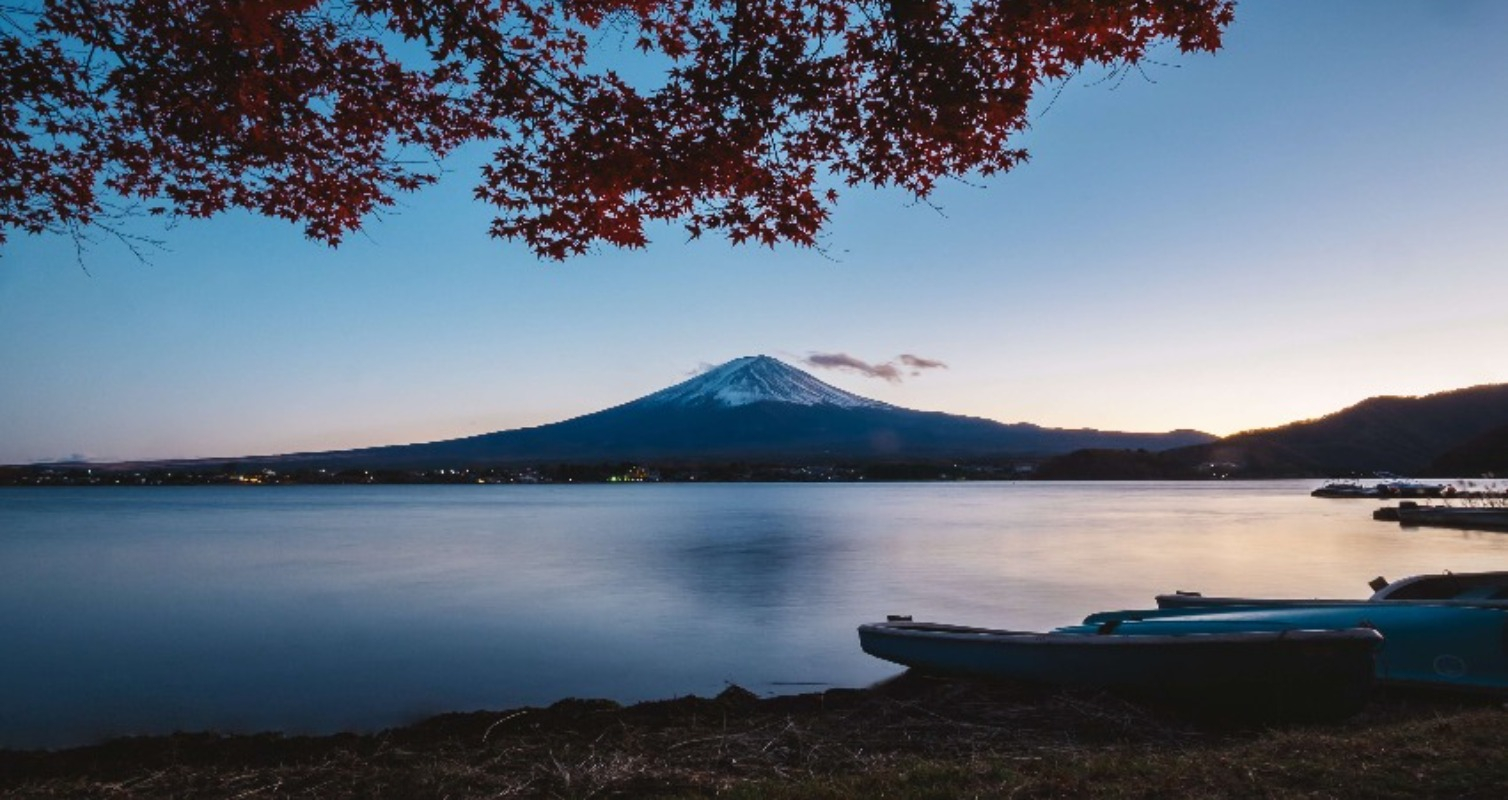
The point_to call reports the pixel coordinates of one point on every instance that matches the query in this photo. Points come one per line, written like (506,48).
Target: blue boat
(1452,645)
(1284,671)
(1446,588)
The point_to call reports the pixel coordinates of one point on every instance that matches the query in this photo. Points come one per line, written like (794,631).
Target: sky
(1310,217)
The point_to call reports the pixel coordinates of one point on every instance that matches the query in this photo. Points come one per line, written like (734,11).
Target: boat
(1280,671)
(1345,490)
(1445,588)
(1486,518)
(1453,644)
(1386,489)
(1389,513)
(1412,489)
(1468,588)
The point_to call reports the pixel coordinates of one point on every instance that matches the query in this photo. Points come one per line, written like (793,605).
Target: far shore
(577,474)
(910,737)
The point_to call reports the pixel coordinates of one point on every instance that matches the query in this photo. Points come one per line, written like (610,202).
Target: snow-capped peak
(755,379)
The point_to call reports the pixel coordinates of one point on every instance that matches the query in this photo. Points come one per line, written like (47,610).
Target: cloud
(888,370)
(885,371)
(847,362)
(917,362)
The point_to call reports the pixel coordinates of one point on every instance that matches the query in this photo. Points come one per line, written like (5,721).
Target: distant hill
(752,409)
(1402,435)
(1481,455)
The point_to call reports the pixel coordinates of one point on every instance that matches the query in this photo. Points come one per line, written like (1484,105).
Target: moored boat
(1279,671)
(1445,588)
(1456,644)
(1386,489)
(1473,518)
(1412,489)
(1345,490)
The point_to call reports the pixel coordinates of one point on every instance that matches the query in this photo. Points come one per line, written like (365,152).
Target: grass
(911,738)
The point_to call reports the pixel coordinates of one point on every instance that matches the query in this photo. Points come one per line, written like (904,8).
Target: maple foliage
(322,112)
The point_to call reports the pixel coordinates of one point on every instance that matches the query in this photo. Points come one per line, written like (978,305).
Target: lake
(316,609)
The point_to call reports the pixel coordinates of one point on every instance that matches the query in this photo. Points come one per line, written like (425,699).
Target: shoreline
(911,736)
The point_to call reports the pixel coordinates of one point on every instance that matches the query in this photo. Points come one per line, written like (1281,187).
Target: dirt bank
(912,737)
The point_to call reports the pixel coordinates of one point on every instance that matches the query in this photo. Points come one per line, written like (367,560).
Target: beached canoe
(1445,588)
(1288,672)
(1437,644)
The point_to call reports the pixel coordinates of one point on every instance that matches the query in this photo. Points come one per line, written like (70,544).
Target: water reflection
(322,608)
(757,560)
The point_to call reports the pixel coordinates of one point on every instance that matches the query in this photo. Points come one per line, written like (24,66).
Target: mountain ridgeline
(754,408)
(1405,435)
(1461,433)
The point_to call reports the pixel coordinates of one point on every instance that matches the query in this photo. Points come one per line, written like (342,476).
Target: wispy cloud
(919,363)
(887,370)
(847,362)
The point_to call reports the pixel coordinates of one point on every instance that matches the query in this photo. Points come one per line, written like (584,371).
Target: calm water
(312,609)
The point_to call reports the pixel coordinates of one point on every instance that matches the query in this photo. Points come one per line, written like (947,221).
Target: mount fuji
(754,408)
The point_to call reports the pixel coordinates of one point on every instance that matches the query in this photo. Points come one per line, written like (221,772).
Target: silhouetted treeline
(1113,465)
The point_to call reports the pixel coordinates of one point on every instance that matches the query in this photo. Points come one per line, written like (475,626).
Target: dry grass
(913,737)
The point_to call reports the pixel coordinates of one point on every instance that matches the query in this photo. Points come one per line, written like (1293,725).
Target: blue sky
(1310,217)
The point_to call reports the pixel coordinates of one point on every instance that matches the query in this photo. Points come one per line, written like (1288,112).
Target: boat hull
(1482,519)
(1288,673)
(1442,645)
(1448,588)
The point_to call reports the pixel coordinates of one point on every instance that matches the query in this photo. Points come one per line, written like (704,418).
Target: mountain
(1425,435)
(754,408)
(754,379)
(1481,455)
